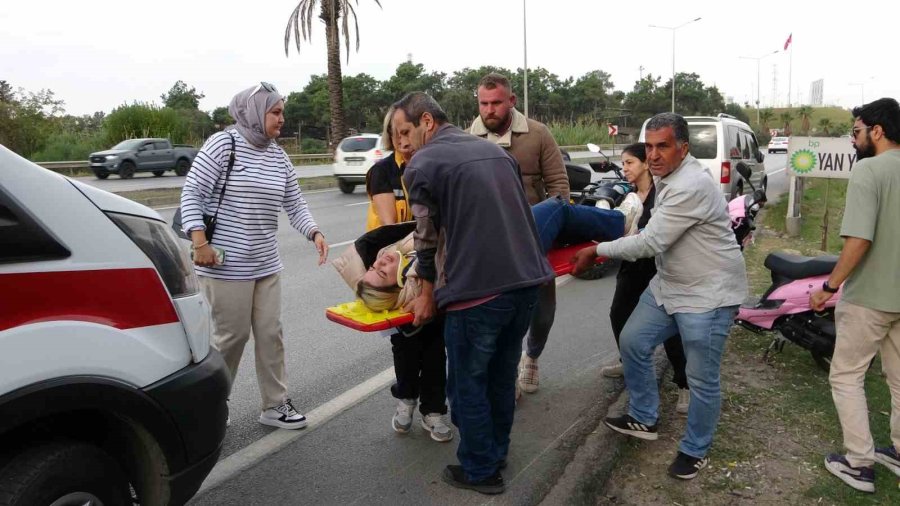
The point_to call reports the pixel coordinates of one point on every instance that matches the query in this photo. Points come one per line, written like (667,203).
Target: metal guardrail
(71,168)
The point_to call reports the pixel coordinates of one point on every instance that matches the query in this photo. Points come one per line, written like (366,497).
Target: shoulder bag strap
(227,174)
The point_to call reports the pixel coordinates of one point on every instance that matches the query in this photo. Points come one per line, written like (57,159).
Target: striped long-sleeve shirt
(262,183)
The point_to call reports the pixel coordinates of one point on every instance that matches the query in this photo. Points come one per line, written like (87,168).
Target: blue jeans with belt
(703,336)
(483,348)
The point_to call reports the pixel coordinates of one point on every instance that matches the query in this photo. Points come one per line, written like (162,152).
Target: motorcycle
(744,208)
(606,193)
(784,307)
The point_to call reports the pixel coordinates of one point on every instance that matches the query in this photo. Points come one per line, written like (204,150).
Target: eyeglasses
(855,131)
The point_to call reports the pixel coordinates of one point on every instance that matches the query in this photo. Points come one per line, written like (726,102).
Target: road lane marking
(254,453)
(564,279)
(356,203)
(776,171)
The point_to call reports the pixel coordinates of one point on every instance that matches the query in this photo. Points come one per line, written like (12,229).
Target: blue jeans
(558,220)
(483,348)
(703,336)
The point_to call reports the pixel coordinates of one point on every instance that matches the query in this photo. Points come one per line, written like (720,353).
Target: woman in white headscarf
(237,259)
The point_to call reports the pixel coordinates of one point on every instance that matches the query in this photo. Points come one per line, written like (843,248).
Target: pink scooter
(784,308)
(744,208)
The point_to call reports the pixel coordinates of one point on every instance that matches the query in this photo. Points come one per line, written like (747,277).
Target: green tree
(826,126)
(180,96)
(590,95)
(737,111)
(364,103)
(786,117)
(646,99)
(27,119)
(221,118)
(411,76)
(336,15)
(804,112)
(765,116)
(693,98)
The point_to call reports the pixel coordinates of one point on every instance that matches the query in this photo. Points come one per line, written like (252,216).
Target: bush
(580,133)
(309,145)
(143,120)
(67,146)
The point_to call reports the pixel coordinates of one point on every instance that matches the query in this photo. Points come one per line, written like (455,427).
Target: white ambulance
(109,391)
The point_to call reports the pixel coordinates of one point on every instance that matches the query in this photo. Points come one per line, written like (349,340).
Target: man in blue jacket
(480,261)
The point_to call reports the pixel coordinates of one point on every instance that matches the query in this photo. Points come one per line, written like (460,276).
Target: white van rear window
(704,141)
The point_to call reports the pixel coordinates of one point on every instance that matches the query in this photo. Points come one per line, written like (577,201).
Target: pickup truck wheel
(345,186)
(64,473)
(182,167)
(102,174)
(126,170)
(158,173)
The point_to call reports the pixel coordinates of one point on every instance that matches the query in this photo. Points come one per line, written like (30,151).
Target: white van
(109,390)
(720,142)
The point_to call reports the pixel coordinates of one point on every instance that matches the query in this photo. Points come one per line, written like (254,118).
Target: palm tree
(786,118)
(765,116)
(805,112)
(826,125)
(335,14)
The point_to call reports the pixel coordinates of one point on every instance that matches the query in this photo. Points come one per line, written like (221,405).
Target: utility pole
(641,73)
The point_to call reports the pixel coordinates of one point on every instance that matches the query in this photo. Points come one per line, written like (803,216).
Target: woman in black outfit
(420,360)
(633,277)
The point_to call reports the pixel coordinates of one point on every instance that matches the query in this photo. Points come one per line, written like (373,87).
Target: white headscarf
(249,108)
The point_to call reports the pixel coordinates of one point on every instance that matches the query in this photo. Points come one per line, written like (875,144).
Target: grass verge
(172,196)
(778,419)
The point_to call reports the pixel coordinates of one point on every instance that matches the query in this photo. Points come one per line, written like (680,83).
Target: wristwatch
(828,288)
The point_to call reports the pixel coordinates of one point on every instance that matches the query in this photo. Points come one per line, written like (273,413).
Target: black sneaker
(889,458)
(685,467)
(455,476)
(631,427)
(861,478)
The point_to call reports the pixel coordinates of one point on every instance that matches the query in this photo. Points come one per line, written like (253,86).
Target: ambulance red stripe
(120,298)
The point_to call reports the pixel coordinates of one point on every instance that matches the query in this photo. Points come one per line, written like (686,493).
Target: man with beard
(465,193)
(868,314)
(543,175)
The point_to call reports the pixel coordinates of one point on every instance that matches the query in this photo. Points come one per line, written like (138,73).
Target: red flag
(788,41)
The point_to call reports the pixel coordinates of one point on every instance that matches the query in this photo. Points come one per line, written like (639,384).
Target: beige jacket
(351,268)
(534,148)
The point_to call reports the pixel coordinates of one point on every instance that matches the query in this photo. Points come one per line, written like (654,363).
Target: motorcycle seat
(799,267)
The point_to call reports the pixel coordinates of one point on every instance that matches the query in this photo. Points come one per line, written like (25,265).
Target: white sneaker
(434,424)
(403,417)
(684,401)
(528,374)
(284,416)
(613,371)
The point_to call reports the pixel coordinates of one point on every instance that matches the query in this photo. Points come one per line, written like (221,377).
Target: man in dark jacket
(480,260)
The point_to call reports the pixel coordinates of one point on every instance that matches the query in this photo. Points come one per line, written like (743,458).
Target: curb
(584,478)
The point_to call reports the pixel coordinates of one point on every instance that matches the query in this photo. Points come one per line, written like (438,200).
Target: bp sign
(820,157)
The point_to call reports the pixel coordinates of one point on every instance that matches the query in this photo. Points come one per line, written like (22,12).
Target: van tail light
(726,173)
(157,240)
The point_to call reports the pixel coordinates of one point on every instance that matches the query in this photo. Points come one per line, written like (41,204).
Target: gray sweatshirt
(466,192)
(699,266)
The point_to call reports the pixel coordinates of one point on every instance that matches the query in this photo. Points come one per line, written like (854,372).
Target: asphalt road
(350,455)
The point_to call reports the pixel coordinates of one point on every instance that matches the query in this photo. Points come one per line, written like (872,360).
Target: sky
(97,54)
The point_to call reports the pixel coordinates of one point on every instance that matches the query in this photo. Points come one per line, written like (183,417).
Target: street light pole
(674,28)
(758,59)
(525,47)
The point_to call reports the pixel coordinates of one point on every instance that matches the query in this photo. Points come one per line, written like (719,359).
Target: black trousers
(631,281)
(420,365)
